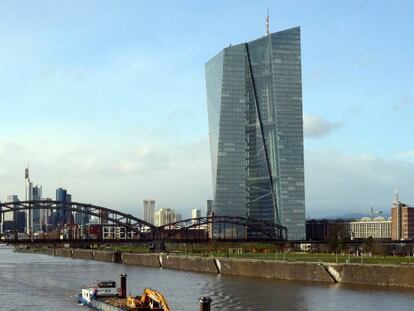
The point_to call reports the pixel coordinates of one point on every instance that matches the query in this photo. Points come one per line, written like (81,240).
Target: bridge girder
(262,229)
(215,226)
(132,223)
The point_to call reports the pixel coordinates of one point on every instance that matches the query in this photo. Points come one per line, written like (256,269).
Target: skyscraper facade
(34,217)
(149,210)
(62,216)
(38,215)
(9,219)
(209,207)
(164,216)
(254,99)
(11,216)
(195,213)
(28,197)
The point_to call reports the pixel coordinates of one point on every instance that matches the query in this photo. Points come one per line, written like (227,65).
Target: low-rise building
(325,230)
(377,228)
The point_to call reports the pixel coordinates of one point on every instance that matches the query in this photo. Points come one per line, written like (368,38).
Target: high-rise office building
(13,220)
(149,210)
(78,218)
(195,213)
(254,99)
(209,208)
(34,217)
(62,216)
(28,197)
(38,215)
(164,216)
(10,216)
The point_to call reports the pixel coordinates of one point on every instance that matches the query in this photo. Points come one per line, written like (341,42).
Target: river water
(41,282)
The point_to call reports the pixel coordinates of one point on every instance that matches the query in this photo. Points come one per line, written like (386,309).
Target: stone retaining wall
(149,260)
(104,256)
(82,254)
(383,275)
(357,274)
(63,252)
(196,264)
(275,269)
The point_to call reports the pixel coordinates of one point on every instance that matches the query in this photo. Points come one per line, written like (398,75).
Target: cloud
(406,154)
(338,183)
(403,103)
(176,175)
(317,127)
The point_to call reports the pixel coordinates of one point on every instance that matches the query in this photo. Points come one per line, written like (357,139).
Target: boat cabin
(100,289)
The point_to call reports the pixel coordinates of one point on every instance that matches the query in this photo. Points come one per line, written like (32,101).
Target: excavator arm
(155,296)
(147,297)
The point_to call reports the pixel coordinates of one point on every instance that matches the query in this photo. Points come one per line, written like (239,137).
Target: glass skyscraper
(254,99)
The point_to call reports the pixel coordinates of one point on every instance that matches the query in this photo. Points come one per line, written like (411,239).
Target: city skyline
(93,73)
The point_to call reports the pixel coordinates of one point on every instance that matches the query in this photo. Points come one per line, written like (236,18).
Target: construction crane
(150,299)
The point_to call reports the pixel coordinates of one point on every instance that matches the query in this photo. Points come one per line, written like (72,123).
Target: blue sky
(110,97)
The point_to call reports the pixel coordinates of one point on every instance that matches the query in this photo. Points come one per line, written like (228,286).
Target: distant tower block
(149,210)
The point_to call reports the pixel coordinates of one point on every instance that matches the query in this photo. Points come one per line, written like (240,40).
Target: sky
(108,99)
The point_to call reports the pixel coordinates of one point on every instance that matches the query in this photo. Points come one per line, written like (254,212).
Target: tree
(368,245)
(334,243)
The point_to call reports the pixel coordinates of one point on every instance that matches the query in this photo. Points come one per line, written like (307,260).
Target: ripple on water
(41,282)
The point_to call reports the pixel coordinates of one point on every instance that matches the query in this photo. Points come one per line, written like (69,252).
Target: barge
(105,296)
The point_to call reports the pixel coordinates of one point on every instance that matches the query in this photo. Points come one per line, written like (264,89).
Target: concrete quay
(355,274)
(148,260)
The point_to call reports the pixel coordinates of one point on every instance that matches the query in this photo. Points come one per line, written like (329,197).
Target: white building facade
(164,216)
(149,211)
(377,228)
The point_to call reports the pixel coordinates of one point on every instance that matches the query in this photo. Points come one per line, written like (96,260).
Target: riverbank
(61,278)
(356,274)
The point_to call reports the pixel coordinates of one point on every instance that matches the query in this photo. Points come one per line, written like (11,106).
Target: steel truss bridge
(203,229)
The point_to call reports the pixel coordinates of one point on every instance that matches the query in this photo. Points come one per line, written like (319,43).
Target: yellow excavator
(150,300)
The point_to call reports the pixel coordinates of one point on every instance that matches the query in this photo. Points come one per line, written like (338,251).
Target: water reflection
(40,282)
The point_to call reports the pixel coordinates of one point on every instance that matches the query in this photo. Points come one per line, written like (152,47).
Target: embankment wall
(275,269)
(63,252)
(196,264)
(148,260)
(104,256)
(82,254)
(356,274)
(382,275)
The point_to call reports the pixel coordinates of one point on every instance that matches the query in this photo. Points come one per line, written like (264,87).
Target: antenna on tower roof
(396,195)
(267,23)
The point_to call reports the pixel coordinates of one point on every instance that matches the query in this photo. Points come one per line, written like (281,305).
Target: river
(41,282)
